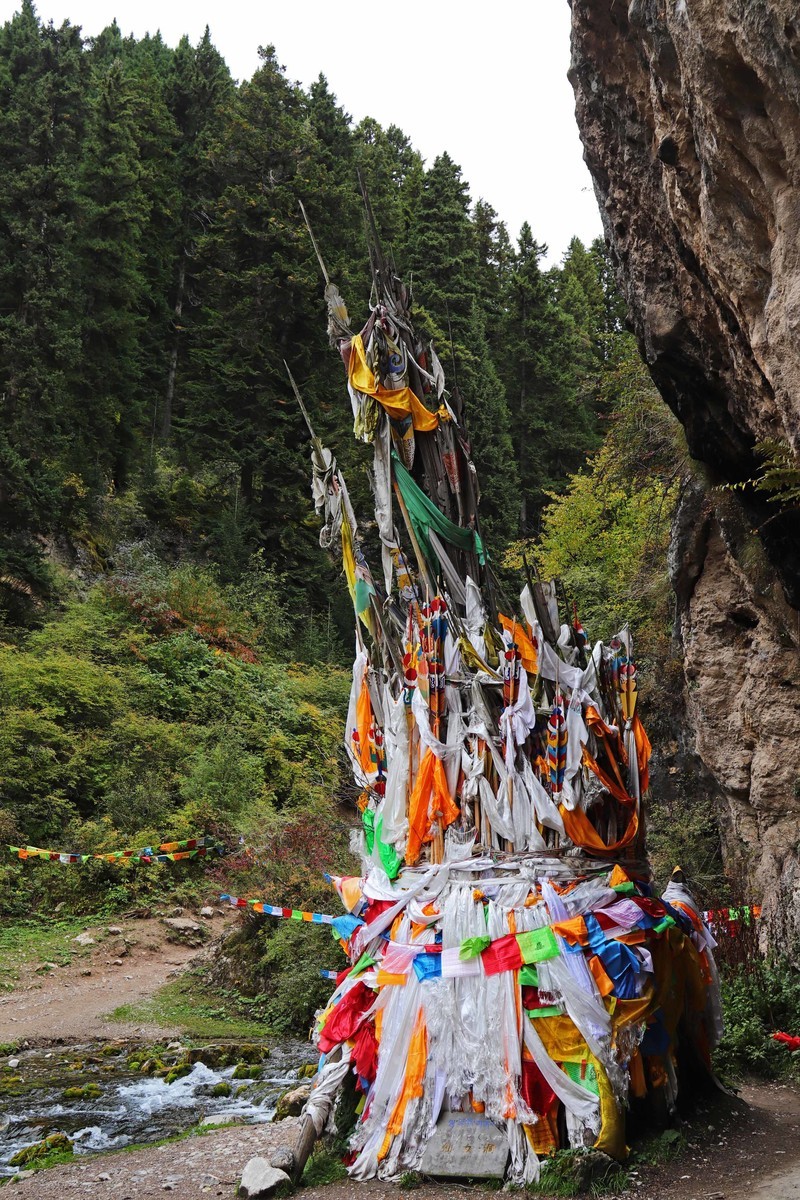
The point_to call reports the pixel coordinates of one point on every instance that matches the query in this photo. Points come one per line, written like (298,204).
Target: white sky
(485,82)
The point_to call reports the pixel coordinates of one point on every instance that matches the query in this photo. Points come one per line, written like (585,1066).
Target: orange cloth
(605,984)
(430,800)
(636,1071)
(527,650)
(615,786)
(643,751)
(583,833)
(363,725)
(574,930)
(399,403)
(412,1085)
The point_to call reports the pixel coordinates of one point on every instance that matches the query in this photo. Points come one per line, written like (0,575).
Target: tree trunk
(166,417)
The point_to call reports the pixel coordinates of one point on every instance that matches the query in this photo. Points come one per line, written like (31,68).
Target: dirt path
(752,1155)
(71,1003)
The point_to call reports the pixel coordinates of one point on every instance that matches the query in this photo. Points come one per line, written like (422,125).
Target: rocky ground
(754,1155)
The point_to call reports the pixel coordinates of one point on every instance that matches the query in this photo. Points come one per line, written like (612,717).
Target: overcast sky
(485,82)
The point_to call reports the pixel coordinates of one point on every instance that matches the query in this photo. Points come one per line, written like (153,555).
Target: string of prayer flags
(167,852)
(275,910)
(731,920)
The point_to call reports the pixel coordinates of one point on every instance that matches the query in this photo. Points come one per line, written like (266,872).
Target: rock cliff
(689,112)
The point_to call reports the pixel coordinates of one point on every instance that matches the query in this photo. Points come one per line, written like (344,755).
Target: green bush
(150,709)
(759,999)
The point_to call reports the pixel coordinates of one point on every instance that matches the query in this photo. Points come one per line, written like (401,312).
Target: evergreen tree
(441,258)
(495,259)
(551,428)
(43,84)
(259,281)
(114,220)
(199,95)
(392,171)
(489,426)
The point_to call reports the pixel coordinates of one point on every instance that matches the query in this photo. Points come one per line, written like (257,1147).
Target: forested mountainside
(172,636)
(155,273)
(689,115)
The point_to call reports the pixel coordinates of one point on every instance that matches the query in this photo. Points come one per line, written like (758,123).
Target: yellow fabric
(349,558)
(618,876)
(387,979)
(400,403)
(561,1039)
(612,1121)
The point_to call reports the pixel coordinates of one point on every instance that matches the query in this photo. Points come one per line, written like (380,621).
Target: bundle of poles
(507,955)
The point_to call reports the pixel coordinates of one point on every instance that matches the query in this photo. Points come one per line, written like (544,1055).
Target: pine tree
(441,258)
(113,285)
(489,426)
(42,122)
(552,429)
(261,292)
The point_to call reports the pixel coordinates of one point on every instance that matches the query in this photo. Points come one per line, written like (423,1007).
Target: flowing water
(132,1108)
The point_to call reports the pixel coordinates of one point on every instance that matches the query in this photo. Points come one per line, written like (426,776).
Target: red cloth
(793,1043)
(530,999)
(534,1088)
(653,908)
(604,920)
(503,954)
(346,1017)
(365,1052)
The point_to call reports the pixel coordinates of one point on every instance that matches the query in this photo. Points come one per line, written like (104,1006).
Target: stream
(131,1107)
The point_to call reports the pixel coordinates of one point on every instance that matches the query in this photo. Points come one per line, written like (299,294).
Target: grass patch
(196,1010)
(39,940)
(580,1172)
(660,1148)
(324,1167)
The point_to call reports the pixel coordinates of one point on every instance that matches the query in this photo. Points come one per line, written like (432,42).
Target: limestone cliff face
(689,112)
(742,675)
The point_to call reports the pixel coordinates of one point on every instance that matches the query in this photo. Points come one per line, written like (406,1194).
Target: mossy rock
(243,1071)
(213,1056)
(135,1065)
(251,1052)
(291,1103)
(89,1091)
(153,1066)
(308,1071)
(177,1072)
(31,1154)
(223,1088)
